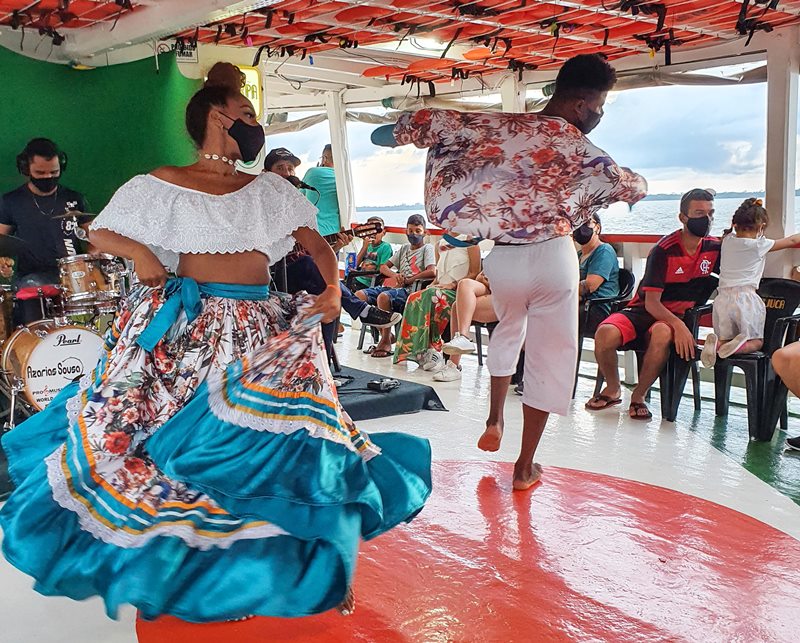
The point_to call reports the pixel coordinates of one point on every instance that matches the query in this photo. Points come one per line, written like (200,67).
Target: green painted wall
(113,122)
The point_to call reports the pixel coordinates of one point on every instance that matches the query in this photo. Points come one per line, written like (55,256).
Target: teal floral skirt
(205,468)
(425,318)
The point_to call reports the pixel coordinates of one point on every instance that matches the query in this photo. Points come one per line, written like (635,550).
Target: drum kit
(39,359)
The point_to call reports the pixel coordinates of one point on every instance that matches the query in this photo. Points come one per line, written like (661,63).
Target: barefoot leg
(493,434)
(526,472)
(348,605)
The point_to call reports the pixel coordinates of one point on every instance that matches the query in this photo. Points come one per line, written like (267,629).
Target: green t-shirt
(324,180)
(375,257)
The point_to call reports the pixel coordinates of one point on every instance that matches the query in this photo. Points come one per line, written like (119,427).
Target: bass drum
(46,357)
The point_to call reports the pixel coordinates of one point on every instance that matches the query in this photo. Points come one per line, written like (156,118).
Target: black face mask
(590,122)
(45,185)
(249,138)
(415,239)
(583,235)
(699,226)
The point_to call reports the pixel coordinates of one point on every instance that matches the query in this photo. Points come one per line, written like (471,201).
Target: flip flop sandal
(605,399)
(381,353)
(636,407)
(368,351)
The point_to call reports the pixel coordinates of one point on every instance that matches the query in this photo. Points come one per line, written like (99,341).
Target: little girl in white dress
(739,313)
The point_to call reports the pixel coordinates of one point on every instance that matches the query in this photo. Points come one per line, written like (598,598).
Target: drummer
(31,212)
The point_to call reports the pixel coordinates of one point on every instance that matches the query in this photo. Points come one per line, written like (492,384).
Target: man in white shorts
(526,181)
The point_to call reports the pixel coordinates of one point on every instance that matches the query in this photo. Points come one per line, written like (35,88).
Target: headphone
(31,150)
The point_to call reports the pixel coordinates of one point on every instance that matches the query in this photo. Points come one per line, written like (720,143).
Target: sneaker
(450,373)
(432,360)
(793,444)
(709,354)
(732,346)
(459,345)
(380,318)
(519,389)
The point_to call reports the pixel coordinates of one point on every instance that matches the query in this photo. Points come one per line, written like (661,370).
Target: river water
(646,217)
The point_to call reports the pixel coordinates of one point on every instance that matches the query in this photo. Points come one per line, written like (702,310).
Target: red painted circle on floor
(582,557)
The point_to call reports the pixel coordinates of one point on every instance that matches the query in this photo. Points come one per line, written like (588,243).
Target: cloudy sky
(677,137)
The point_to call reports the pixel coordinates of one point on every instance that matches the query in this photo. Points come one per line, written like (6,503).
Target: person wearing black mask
(679,268)
(30,212)
(599,270)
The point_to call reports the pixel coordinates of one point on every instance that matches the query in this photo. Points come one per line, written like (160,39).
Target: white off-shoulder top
(172,220)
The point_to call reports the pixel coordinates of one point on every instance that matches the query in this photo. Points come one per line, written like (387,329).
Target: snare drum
(46,357)
(90,278)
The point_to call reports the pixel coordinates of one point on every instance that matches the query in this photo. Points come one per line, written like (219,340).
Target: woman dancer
(205,468)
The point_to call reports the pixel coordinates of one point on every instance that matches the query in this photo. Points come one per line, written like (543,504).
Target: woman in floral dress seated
(205,468)
(427,312)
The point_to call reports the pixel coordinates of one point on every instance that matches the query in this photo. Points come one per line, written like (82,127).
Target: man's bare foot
(526,477)
(490,440)
(348,605)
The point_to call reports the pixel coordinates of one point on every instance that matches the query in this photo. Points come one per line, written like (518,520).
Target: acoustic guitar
(369,229)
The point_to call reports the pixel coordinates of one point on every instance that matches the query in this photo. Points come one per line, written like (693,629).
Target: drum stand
(15,403)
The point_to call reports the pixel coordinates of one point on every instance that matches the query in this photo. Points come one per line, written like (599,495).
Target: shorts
(535,297)
(633,324)
(739,311)
(397,296)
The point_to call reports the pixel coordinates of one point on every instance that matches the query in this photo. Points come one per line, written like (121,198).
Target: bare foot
(490,440)
(348,605)
(526,477)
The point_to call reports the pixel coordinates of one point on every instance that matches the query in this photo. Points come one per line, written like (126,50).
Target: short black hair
(583,74)
(416,219)
(327,148)
(695,194)
(199,107)
(596,218)
(43,147)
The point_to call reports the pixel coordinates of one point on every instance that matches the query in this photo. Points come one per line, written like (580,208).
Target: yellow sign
(252,87)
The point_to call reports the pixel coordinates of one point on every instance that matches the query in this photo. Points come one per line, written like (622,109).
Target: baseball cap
(280,154)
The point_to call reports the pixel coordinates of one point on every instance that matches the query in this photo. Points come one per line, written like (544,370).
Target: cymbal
(11,246)
(75,213)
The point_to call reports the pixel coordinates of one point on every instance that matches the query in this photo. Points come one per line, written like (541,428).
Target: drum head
(65,353)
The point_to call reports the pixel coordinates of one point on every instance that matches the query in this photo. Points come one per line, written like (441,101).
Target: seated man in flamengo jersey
(525,181)
(679,268)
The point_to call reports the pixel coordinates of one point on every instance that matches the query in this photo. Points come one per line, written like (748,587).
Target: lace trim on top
(172,220)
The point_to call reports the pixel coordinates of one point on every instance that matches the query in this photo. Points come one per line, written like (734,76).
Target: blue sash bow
(183,293)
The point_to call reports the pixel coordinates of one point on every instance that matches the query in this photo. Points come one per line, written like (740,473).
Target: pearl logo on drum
(63,340)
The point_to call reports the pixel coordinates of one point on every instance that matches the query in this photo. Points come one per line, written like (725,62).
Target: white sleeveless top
(172,220)
(453,264)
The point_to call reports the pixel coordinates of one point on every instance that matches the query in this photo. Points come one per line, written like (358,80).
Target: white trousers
(535,297)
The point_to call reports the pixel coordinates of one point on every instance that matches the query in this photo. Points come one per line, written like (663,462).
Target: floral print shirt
(513,178)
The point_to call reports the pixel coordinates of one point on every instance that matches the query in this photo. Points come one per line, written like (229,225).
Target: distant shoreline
(650,197)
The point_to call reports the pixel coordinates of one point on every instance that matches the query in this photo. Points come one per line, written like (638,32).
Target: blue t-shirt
(602,262)
(324,180)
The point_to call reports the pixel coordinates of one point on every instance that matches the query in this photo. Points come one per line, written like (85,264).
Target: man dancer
(526,181)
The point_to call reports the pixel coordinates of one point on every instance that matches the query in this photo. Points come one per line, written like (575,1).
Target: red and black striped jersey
(677,275)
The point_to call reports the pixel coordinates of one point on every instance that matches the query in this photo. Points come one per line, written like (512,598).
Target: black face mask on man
(699,226)
(415,239)
(583,234)
(46,184)
(590,121)
(249,138)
